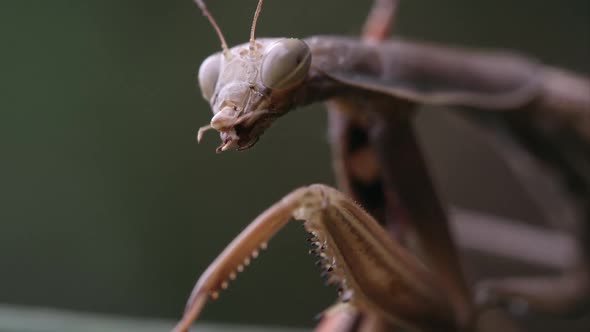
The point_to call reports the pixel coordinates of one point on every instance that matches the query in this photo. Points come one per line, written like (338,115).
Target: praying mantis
(385,239)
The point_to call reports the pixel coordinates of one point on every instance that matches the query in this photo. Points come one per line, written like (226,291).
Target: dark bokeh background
(107,204)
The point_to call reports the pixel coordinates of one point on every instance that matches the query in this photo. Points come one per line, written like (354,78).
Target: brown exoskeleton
(392,252)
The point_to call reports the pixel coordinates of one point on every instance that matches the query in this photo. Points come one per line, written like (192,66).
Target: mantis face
(247,86)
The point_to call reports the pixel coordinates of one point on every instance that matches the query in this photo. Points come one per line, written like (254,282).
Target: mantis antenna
(253,29)
(207,14)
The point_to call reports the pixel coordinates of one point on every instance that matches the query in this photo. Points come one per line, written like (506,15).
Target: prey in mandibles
(385,239)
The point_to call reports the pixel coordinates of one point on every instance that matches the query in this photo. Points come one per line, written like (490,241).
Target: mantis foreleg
(374,273)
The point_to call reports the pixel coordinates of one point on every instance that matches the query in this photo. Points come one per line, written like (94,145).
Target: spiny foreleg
(375,274)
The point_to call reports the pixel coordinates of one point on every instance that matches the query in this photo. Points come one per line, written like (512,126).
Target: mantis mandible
(385,238)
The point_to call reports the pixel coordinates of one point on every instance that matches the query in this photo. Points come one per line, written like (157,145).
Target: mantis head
(247,84)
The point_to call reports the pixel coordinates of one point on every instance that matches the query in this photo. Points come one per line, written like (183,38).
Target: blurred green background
(107,203)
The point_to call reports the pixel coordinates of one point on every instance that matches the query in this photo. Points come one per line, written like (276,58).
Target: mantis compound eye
(285,64)
(208,75)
